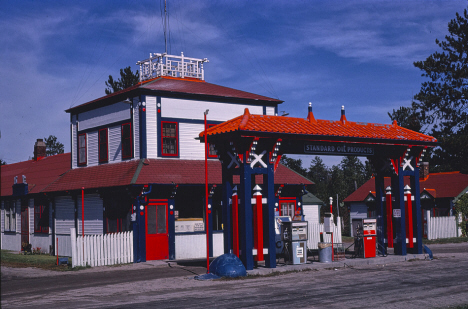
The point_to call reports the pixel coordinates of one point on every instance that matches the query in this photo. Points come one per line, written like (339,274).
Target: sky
(360,54)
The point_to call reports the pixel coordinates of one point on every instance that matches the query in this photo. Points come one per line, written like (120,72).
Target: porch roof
(157,171)
(39,174)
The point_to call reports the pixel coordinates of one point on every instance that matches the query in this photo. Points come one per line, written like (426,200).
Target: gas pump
(365,237)
(294,236)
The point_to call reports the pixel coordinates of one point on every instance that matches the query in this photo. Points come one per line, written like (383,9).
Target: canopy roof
(326,130)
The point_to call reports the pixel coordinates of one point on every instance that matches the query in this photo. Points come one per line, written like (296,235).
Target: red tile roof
(179,86)
(39,174)
(165,171)
(440,185)
(325,128)
(93,177)
(53,174)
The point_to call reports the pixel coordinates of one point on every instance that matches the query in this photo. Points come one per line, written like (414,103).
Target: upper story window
(169,139)
(10,216)
(127,146)
(103,146)
(82,160)
(41,218)
(211,148)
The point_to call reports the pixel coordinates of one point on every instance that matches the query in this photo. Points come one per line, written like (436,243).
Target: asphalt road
(438,283)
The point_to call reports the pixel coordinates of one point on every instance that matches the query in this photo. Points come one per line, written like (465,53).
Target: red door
(157,240)
(24,225)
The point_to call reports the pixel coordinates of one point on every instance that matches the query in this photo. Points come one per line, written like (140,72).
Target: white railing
(441,227)
(316,229)
(99,250)
(170,65)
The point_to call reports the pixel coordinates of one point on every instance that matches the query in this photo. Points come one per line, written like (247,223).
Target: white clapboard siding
(192,109)
(31,218)
(270,111)
(2,219)
(99,250)
(442,227)
(93,215)
(136,128)
(115,144)
(358,211)
(151,128)
(311,213)
(73,141)
(64,214)
(316,229)
(192,246)
(104,115)
(92,148)
(189,147)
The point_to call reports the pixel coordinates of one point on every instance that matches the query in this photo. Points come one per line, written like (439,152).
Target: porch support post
(246,214)
(381,228)
(400,228)
(171,228)
(417,209)
(269,216)
(227,194)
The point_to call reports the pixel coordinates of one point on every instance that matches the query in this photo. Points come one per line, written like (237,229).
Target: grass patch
(453,240)
(42,261)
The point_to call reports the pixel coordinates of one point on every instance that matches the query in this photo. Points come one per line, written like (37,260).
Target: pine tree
(443,100)
(127,79)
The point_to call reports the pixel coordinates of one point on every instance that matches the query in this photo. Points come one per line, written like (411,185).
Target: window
(169,139)
(10,216)
(41,217)
(82,149)
(117,212)
(287,208)
(103,146)
(127,148)
(211,148)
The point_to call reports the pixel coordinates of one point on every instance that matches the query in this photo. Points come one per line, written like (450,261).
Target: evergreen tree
(127,79)
(2,162)
(319,173)
(53,146)
(294,164)
(407,117)
(443,100)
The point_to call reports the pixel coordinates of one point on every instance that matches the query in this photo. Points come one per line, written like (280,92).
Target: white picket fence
(442,227)
(99,250)
(316,229)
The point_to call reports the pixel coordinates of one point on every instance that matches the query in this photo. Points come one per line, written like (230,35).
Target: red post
(409,217)
(388,205)
(206,202)
(235,224)
(258,230)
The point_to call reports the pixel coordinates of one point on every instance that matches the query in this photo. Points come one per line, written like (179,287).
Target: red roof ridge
(245,119)
(191,79)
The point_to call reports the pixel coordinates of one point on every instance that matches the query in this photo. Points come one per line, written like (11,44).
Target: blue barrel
(325,252)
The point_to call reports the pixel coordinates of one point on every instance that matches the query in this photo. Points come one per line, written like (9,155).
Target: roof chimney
(343,116)
(39,149)
(423,170)
(310,115)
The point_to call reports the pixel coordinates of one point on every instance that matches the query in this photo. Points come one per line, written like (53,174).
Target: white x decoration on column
(233,160)
(258,158)
(407,163)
